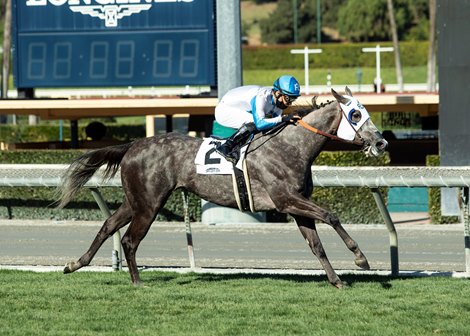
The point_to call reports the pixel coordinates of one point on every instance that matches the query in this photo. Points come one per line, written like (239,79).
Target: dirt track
(421,247)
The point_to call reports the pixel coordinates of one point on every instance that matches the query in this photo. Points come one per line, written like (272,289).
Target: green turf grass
(195,304)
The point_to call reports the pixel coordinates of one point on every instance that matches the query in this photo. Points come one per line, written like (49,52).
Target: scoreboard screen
(91,43)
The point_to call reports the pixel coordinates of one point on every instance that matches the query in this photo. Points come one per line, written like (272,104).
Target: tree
(432,47)
(279,27)
(362,21)
(308,22)
(368,21)
(329,12)
(417,26)
(355,20)
(396,46)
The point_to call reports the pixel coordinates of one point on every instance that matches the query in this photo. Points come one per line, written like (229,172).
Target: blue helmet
(287,85)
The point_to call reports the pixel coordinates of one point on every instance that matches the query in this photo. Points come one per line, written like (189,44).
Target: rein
(328,135)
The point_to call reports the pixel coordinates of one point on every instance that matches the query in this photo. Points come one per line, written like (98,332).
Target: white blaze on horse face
(347,127)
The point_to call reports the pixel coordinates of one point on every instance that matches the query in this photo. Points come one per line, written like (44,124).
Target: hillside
(251,13)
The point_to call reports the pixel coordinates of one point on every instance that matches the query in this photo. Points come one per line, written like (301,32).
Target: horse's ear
(339,98)
(348,92)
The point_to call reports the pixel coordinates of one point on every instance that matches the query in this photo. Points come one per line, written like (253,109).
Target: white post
(328,80)
(306,70)
(306,51)
(377,50)
(464,212)
(377,70)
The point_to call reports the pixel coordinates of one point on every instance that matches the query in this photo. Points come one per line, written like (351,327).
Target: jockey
(253,108)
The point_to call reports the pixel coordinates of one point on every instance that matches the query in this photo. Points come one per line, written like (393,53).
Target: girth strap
(240,189)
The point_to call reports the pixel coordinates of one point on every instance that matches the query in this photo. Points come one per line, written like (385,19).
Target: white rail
(375,177)
(45,175)
(50,175)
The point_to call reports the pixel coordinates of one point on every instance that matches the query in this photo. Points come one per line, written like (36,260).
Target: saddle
(209,162)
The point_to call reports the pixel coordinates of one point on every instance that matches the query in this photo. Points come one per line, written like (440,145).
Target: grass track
(338,76)
(202,304)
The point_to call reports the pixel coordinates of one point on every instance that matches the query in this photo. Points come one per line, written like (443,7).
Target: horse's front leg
(299,205)
(308,229)
(360,259)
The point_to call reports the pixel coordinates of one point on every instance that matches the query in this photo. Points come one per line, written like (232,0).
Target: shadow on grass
(349,280)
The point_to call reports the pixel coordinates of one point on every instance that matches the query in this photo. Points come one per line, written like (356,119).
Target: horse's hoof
(70,267)
(338,284)
(362,263)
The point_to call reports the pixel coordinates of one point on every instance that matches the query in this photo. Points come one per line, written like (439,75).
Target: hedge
(344,55)
(37,202)
(352,205)
(43,133)
(434,195)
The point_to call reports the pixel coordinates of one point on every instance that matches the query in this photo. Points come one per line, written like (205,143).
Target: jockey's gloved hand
(290,118)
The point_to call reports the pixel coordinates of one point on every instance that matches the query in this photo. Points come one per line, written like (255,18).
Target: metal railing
(50,175)
(375,177)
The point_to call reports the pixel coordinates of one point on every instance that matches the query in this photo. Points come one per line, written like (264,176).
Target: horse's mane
(302,112)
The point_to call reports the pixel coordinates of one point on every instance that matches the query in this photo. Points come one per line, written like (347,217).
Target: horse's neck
(325,119)
(304,145)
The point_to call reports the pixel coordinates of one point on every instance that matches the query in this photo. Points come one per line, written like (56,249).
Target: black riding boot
(230,150)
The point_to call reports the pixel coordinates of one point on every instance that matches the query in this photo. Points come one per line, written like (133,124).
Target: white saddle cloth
(208,161)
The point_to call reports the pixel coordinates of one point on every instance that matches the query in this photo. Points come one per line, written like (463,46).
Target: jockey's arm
(258,109)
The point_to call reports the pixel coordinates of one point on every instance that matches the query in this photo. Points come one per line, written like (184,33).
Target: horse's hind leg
(120,218)
(137,231)
(308,229)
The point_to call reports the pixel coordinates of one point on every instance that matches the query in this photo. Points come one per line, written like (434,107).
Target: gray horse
(279,165)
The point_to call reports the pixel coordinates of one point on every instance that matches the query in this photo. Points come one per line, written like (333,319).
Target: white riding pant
(230,116)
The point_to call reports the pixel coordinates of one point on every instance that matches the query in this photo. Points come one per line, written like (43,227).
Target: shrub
(352,205)
(334,55)
(434,195)
(45,133)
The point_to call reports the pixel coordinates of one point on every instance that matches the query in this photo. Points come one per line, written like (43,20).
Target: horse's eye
(356,116)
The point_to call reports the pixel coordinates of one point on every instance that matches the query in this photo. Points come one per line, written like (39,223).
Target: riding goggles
(289,99)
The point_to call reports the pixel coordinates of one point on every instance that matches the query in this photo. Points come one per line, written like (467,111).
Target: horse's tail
(84,167)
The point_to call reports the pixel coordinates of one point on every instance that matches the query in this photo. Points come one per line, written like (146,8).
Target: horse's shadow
(349,280)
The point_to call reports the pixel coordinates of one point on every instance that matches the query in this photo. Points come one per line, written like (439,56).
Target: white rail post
(464,194)
(189,234)
(391,230)
(306,51)
(377,51)
(117,247)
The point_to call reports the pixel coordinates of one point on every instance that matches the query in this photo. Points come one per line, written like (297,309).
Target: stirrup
(229,156)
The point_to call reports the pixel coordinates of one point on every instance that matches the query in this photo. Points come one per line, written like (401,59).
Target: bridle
(332,136)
